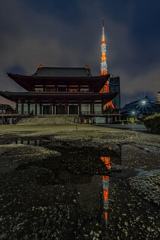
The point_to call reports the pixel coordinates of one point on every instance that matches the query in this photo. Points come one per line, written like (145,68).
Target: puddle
(88,189)
(78,168)
(79,161)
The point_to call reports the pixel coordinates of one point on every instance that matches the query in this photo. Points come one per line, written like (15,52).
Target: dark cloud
(68,33)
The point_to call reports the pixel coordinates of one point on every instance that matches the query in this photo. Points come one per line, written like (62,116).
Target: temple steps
(59,119)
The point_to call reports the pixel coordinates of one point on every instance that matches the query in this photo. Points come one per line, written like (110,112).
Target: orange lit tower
(105,88)
(103,51)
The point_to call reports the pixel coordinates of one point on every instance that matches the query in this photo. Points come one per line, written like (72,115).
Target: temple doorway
(46,109)
(73,109)
(60,109)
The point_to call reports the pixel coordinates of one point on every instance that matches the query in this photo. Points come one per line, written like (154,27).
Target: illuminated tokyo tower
(103,51)
(105,88)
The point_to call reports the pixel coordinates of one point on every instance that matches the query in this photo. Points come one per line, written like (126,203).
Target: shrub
(124,121)
(120,122)
(152,123)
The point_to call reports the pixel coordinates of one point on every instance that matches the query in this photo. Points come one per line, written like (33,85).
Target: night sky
(67,33)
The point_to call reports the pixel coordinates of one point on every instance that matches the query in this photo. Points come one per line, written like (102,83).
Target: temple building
(52,90)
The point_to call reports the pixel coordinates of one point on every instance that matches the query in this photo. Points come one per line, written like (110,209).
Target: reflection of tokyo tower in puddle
(105,184)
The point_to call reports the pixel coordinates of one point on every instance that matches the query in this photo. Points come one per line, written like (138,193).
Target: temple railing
(22,116)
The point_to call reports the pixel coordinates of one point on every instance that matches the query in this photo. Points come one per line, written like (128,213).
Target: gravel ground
(51,183)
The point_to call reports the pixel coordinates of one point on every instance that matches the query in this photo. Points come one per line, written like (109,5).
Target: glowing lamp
(143,102)
(133,112)
(86,67)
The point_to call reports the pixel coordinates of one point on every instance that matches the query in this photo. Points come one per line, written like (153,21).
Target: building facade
(158,97)
(114,86)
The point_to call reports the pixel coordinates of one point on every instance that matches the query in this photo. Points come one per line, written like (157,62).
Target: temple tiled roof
(57,96)
(63,72)
(28,82)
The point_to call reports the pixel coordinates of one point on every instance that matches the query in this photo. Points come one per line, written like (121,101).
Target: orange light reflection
(105,179)
(106,161)
(105,193)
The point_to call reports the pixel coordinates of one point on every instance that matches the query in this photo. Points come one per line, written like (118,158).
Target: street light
(143,102)
(143,105)
(133,113)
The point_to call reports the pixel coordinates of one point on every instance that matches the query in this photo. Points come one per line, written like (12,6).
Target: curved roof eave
(13,96)
(28,82)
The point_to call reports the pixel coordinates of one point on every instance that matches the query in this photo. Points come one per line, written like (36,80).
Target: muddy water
(85,193)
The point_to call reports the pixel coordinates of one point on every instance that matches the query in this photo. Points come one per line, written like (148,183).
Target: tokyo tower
(105,88)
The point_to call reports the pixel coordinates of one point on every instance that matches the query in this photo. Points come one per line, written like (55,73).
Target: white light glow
(133,112)
(143,102)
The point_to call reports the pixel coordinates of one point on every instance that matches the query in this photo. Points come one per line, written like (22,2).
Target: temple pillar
(22,108)
(50,108)
(79,104)
(53,107)
(16,107)
(40,108)
(35,108)
(3,120)
(92,107)
(66,108)
(28,107)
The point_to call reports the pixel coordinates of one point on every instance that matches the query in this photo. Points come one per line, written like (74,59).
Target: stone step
(49,120)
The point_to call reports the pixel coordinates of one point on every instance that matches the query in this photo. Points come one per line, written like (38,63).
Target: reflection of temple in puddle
(27,142)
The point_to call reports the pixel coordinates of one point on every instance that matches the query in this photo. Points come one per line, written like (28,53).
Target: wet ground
(80,185)
(128,126)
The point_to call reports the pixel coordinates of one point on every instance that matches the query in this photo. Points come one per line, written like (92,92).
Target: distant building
(158,97)
(5,108)
(6,114)
(114,86)
(140,109)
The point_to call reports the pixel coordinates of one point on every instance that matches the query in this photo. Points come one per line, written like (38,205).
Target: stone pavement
(51,183)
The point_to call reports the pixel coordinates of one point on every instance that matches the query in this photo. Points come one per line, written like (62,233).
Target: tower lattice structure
(104,70)
(103,53)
